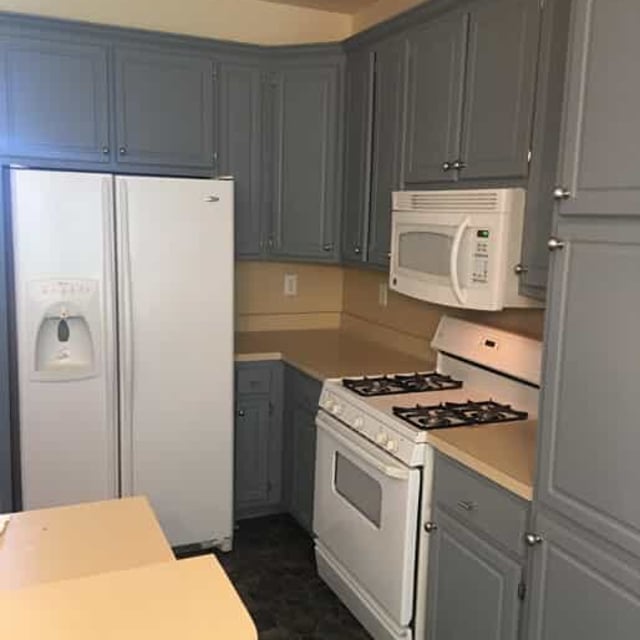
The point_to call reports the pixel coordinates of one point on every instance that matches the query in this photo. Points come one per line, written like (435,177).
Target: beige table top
(187,600)
(504,453)
(326,353)
(69,542)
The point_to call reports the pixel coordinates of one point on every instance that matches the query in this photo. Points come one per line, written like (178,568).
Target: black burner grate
(391,385)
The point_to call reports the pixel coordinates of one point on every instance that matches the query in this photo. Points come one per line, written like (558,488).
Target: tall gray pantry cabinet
(585,577)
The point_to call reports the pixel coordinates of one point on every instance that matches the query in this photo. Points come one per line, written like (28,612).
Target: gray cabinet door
(164,108)
(434,104)
(579,591)
(251,452)
(589,441)
(473,587)
(387,139)
(304,461)
(545,147)
(56,102)
(240,150)
(601,125)
(358,147)
(305,146)
(500,86)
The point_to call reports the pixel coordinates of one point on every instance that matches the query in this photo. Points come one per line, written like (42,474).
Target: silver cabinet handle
(459,164)
(211,199)
(105,150)
(241,413)
(467,505)
(520,269)
(430,527)
(327,247)
(122,151)
(357,250)
(532,539)
(447,166)
(270,242)
(553,244)
(561,193)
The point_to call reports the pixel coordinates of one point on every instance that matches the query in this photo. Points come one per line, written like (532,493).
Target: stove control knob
(358,423)
(336,409)
(328,403)
(382,438)
(392,446)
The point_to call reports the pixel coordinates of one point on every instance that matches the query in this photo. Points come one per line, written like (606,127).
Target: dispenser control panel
(59,289)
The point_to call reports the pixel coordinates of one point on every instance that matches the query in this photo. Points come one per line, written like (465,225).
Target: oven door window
(426,252)
(359,489)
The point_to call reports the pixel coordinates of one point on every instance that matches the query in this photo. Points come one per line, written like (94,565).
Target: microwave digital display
(483,233)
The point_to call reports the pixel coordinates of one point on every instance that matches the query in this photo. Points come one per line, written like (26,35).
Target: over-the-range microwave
(458,248)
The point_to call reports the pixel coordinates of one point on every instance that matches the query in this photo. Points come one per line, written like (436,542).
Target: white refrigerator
(124,306)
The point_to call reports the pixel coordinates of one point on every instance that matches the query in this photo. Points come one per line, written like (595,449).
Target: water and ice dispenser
(64,327)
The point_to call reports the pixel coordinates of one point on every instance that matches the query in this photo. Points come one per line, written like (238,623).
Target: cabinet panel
(473,587)
(305,146)
(589,441)
(434,105)
(500,85)
(240,150)
(252,452)
(387,136)
(601,125)
(56,99)
(164,108)
(359,120)
(304,460)
(579,591)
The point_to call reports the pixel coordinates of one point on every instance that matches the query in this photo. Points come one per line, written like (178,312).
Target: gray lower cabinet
(239,122)
(578,590)
(387,145)
(55,99)
(258,439)
(304,145)
(601,126)
(301,403)
(476,557)
(164,108)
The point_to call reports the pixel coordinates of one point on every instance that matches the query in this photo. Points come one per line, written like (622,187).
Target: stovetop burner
(412,383)
(458,414)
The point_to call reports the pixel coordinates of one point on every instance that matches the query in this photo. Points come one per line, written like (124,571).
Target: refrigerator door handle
(109,342)
(125,323)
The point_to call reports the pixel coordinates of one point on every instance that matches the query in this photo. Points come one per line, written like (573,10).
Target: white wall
(380,11)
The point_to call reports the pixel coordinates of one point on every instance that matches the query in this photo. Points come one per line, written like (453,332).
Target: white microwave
(458,248)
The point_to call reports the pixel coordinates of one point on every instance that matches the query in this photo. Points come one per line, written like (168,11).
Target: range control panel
(480,264)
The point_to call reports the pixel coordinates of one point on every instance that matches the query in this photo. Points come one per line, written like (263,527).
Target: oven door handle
(453,267)
(326,424)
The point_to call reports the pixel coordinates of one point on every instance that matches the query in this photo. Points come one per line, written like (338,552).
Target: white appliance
(124,295)
(458,248)
(374,465)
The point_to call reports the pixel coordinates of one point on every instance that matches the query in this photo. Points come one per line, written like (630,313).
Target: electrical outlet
(290,284)
(383,294)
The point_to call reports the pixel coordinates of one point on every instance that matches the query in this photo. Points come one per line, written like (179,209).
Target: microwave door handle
(453,267)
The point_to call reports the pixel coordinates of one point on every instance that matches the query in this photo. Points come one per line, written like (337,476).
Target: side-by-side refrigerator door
(64,283)
(175,270)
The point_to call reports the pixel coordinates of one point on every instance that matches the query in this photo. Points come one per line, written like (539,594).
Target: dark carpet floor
(273,568)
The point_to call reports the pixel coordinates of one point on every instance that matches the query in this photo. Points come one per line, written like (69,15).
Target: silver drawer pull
(467,505)
(212,199)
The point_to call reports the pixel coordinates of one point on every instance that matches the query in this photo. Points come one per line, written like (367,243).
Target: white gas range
(374,466)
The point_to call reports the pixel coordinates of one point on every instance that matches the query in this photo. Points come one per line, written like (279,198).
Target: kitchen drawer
(254,378)
(306,390)
(482,504)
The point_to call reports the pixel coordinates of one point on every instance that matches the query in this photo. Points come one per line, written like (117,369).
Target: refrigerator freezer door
(64,268)
(175,255)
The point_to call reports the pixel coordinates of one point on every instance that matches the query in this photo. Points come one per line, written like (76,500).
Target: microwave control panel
(480,263)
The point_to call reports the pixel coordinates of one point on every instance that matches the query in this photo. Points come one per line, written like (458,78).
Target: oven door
(366,515)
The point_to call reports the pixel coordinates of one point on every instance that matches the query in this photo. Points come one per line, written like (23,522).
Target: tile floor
(272,566)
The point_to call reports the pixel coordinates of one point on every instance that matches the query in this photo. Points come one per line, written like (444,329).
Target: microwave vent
(469,201)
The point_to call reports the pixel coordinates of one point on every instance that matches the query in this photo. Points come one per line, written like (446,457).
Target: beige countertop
(183,599)
(326,353)
(504,453)
(70,542)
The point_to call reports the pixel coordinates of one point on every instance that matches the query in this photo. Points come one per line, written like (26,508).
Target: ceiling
(336,6)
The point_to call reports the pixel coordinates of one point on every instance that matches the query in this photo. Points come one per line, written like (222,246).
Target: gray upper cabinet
(55,99)
(545,147)
(304,151)
(240,150)
(589,438)
(580,591)
(601,127)
(358,146)
(473,587)
(164,108)
(387,145)
(500,87)
(434,98)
